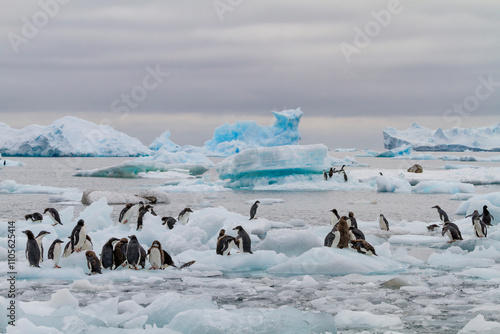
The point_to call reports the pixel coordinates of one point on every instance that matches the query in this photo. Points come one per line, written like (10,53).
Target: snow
(68,136)
(230,139)
(456,139)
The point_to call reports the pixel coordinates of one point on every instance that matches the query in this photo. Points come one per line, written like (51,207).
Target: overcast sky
(189,66)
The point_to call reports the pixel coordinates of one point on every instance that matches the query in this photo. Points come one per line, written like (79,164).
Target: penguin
(120,253)
(54,215)
(253,210)
(39,239)
(452,232)
(245,244)
(383,223)
(32,250)
(325,175)
(332,238)
(487,217)
(169,221)
(330,172)
(156,256)
(432,227)
(87,244)
(133,252)
(140,218)
(480,227)
(167,260)
(336,217)
(343,228)
(363,247)
(183,217)
(93,263)
(35,217)
(356,234)
(55,251)
(107,253)
(442,214)
(78,236)
(352,220)
(345,176)
(224,243)
(475,216)
(126,213)
(152,211)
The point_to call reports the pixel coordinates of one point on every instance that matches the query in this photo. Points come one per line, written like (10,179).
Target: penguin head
(113,240)
(132,237)
(351,214)
(156,243)
(436,207)
(129,205)
(238,228)
(257,202)
(47,209)
(26,217)
(42,233)
(188,210)
(222,232)
(81,222)
(29,234)
(381,215)
(58,241)
(90,254)
(123,240)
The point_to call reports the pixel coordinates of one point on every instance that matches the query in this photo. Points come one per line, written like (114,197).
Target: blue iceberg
(230,139)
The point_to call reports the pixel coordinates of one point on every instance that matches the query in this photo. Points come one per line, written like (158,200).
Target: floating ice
(164,143)
(11,187)
(456,139)
(146,196)
(480,325)
(363,319)
(393,184)
(231,139)
(399,151)
(69,136)
(442,187)
(161,161)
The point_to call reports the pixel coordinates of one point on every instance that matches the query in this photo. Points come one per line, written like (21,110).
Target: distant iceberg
(456,139)
(230,139)
(68,137)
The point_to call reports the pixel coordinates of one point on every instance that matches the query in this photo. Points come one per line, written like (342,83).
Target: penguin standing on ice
(35,217)
(169,221)
(442,214)
(39,239)
(343,228)
(224,243)
(55,251)
(352,220)
(245,244)
(336,217)
(68,250)
(78,236)
(253,210)
(332,238)
(156,256)
(120,253)
(54,215)
(383,223)
(452,231)
(487,217)
(325,175)
(183,217)
(93,263)
(107,253)
(480,228)
(126,213)
(32,250)
(363,247)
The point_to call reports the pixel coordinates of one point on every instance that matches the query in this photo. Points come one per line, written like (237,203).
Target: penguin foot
(57,266)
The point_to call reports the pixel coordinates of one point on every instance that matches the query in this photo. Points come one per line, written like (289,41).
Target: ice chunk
(491,200)
(69,136)
(146,196)
(231,139)
(164,143)
(363,319)
(442,187)
(290,242)
(393,184)
(24,326)
(480,325)
(456,139)
(11,187)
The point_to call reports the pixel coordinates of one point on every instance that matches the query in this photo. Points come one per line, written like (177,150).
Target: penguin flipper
(187,264)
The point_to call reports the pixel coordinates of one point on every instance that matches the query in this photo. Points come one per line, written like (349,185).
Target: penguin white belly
(382,224)
(82,237)
(67,250)
(478,229)
(230,246)
(448,233)
(127,216)
(335,242)
(87,245)
(155,258)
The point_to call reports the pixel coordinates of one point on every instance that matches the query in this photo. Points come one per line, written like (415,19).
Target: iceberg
(456,139)
(161,161)
(230,139)
(164,143)
(69,137)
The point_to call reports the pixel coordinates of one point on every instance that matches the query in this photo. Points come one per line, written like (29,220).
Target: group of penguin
(122,252)
(329,174)
(480,222)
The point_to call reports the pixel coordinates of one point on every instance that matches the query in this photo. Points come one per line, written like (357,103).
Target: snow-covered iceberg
(230,139)
(68,137)
(456,139)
